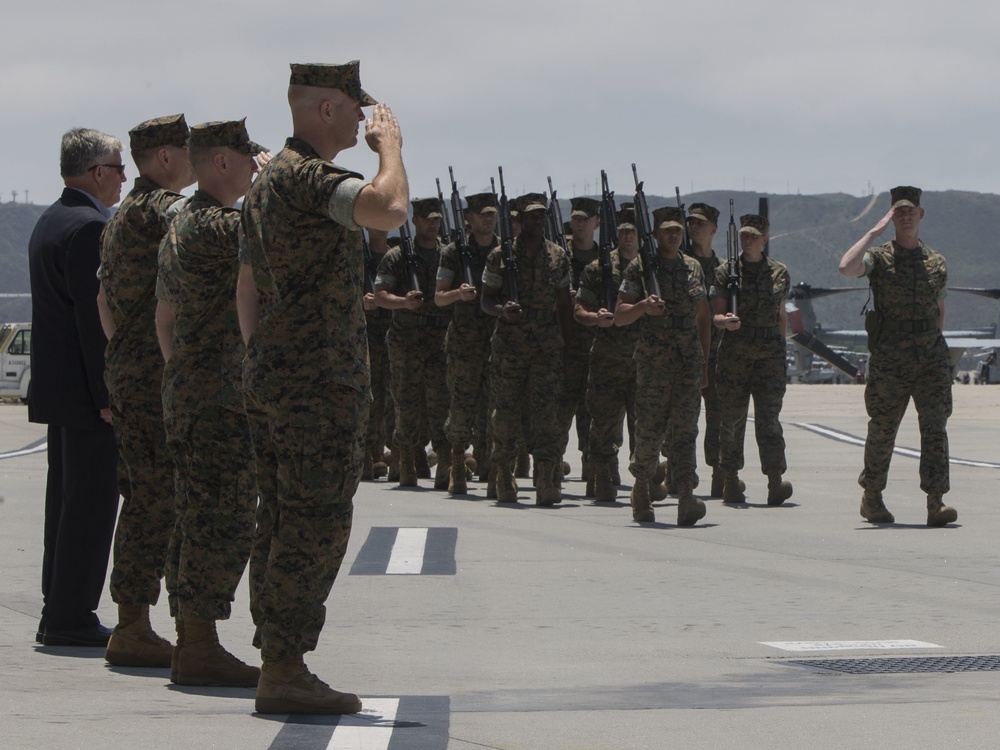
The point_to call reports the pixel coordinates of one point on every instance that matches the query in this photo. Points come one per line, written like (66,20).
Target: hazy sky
(774,96)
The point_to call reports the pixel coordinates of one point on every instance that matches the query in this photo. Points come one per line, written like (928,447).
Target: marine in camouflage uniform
(528,346)
(671,359)
(380,415)
(467,344)
(306,367)
(583,250)
(206,424)
(417,362)
(133,371)
(751,361)
(909,355)
(612,378)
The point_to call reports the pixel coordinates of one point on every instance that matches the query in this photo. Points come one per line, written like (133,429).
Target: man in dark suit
(68,392)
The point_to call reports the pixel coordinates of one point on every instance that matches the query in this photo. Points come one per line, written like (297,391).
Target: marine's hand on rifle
(605,319)
(511,311)
(368,302)
(729,322)
(413,300)
(467,293)
(654,305)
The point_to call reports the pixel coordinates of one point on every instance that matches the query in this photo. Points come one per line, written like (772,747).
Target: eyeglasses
(119,167)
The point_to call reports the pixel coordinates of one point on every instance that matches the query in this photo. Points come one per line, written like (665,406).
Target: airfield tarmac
(465,625)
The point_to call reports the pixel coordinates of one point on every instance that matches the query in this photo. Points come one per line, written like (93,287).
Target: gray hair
(83,148)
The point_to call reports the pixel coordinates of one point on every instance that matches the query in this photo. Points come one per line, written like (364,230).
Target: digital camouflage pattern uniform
(206,424)
(581,341)
(306,371)
(417,364)
(467,346)
(380,415)
(133,374)
(751,363)
(612,378)
(527,356)
(669,361)
(909,359)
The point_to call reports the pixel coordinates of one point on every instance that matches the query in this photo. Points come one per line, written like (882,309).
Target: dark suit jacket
(67,352)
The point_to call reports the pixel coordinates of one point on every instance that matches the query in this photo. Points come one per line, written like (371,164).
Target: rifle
(733,256)
(461,241)
(554,221)
(410,256)
(608,239)
(444,231)
(371,267)
(762,209)
(647,251)
(686,246)
(507,240)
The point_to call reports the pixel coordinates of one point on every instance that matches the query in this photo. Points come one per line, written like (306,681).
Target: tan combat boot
(442,473)
(642,507)
(288,687)
(203,661)
(392,463)
(873,509)
(604,487)
(732,489)
(547,491)
(407,469)
(690,509)
(457,482)
(938,514)
(134,643)
(379,466)
(421,462)
(657,491)
(718,482)
(778,490)
(506,485)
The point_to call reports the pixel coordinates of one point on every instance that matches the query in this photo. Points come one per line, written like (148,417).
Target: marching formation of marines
(261,360)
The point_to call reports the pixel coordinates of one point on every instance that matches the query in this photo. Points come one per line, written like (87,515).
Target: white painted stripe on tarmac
(847,645)
(407,556)
(369,730)
(40,448)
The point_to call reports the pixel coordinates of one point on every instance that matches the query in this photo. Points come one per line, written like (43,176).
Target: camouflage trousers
(610,396)
(216,501)
(318,443)
(419,373)
(751,368)
(146,519)
(891,383)
(667,406)
(572,403)
(713,414)
(265,468)
(381,419)
(526,372)
(469,385)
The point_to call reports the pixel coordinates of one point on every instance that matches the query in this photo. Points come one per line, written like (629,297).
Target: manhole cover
(904,664)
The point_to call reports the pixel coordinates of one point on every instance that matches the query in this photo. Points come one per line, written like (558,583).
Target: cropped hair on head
(84,148)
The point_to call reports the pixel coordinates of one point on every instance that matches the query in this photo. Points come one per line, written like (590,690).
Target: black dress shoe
(40,633)
(96,637)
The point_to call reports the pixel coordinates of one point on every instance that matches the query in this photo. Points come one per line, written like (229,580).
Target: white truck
(15,360)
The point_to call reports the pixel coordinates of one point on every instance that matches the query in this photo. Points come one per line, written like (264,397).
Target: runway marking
(847,645)
(407,551)
(385,723)
(39,446)
(846,437)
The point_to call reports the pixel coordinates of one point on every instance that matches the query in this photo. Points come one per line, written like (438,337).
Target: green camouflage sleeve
(632,285)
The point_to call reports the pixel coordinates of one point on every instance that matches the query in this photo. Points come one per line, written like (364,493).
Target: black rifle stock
(507,241)
(733,256)
(554,220)
(444,231)
(608,239)
(410,256)
(461,240)
(647,249)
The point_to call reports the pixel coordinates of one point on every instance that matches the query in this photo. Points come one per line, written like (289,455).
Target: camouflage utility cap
(704,212)
(482,203)
(345,77)
(229,133)
(626,216)
(754,224)
(427,208)
(531,202)
(905,195)
(587,207)
(668,216)
(171,130)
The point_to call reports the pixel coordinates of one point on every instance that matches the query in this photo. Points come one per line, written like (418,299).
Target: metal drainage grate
(905,664)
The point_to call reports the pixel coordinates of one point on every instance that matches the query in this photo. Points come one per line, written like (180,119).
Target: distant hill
(808,232)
